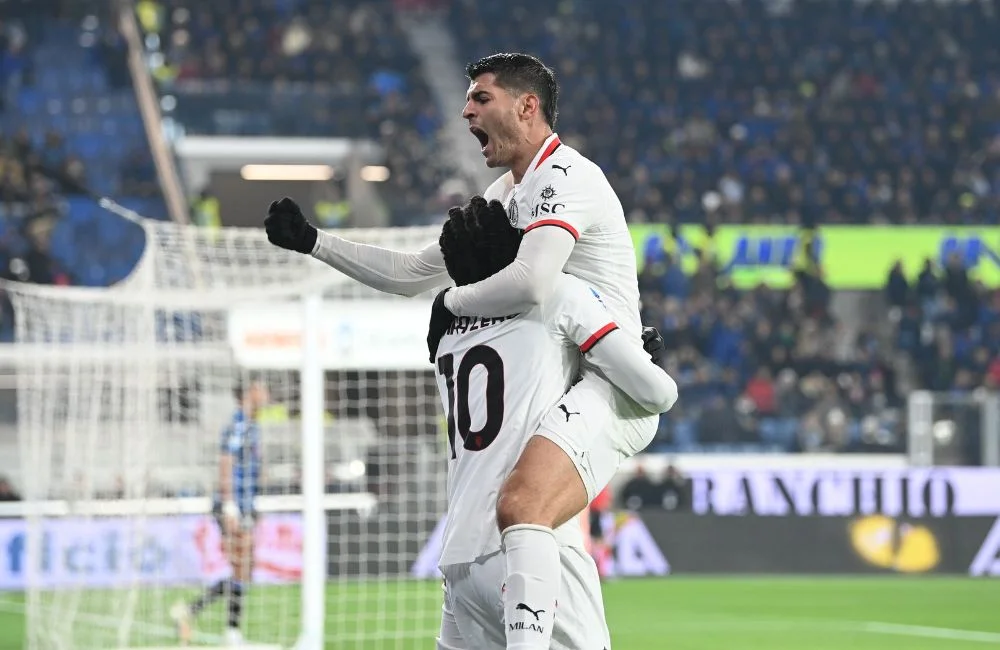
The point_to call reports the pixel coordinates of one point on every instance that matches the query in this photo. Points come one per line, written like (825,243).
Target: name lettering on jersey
(546,208)
(533,627)
(466,324)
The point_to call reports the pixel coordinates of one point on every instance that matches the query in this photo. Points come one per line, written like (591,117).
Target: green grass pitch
(677,613)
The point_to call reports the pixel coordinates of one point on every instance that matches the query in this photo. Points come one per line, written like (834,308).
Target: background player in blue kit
(233,508)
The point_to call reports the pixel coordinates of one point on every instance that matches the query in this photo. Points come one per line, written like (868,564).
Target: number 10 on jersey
(489,410)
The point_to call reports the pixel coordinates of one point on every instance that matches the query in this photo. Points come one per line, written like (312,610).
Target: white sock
(531,587)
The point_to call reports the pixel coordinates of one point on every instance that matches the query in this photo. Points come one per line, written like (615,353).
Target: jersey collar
(547,149)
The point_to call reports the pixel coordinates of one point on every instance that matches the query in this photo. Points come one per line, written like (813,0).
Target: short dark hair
(520,73)
(475,248)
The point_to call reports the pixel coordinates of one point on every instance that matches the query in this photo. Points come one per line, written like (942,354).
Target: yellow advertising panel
(852,257)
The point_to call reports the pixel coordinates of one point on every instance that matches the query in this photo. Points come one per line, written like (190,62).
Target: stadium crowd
(766,369)
(948,324)
(67,131)
(304,68)
(799,113)
(791,112)
(805,113)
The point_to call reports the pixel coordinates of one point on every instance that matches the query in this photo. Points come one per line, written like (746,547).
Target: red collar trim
(549,150)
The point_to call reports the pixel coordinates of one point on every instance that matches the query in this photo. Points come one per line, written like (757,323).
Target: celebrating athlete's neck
(527,151)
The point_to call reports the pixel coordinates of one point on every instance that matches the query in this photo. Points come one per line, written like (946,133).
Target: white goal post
(122,393)
(950,428)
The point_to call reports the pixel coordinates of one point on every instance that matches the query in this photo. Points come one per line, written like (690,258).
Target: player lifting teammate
(498,377)
(233,508)
(573,222)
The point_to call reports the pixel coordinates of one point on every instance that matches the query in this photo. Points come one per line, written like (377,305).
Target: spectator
(927,283)
(760,390)
(897,289)
(332,209)
(676,490)
(205,210)
(640,491)
(28,183)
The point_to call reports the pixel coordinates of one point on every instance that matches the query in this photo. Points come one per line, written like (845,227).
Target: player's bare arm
(405,273)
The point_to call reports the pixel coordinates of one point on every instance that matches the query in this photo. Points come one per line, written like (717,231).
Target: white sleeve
(522,284)
(553,220)
(575,201)
(399,272)
(581,316)
(628,367)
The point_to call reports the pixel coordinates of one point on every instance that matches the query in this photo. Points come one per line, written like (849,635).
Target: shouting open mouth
(482,136)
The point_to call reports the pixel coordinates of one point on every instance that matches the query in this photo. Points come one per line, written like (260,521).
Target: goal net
(953,428)
(123,394)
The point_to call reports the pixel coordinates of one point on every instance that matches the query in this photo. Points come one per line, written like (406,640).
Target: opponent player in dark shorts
(233,509)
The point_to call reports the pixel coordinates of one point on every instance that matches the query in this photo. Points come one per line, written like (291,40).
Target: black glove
(441,320)
(287,227)
(652,343)
(483,211)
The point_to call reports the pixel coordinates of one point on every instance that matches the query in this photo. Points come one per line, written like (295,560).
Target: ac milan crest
(512,211)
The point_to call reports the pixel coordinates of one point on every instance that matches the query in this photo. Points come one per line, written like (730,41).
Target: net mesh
(122,397)
(954,429)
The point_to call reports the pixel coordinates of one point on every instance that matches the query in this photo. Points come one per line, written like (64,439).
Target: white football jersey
(498,377)
(564,189)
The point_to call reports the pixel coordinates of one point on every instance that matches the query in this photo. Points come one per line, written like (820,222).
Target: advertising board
(657,542)
(913,492)
(867,544)
(115,551)
(354,335)
(853,257)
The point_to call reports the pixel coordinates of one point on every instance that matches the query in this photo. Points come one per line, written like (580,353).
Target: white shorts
(598,428)
(473,617)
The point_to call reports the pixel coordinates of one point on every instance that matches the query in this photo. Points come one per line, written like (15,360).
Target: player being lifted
(498,378)
(573,222)
(233,508)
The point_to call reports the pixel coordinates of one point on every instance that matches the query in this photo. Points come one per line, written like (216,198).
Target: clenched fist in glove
(287,227)
(477,210)
(652,343)
(441,320)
